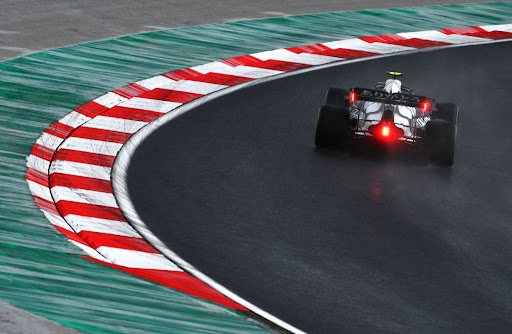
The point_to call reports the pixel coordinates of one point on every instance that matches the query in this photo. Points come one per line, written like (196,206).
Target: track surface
(330,242)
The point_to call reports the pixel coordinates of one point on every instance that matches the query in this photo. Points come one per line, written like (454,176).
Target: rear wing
(402,99)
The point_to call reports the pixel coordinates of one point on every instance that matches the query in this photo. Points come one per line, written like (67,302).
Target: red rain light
(352,97)
(385,131)
(425,106)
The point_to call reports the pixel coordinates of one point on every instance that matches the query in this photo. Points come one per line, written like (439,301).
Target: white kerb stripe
(154,82)
(38,164)
(74,119)
(196,87)
(57,221)
(40,191)
(50,141)
(90,251)
(241,71)
(116,124)
(134,259)
(150,104)
(303,58)
(80,169)
(83,196)
(110,99)
(99,225)
(360,45)
(438,36)
(91,146)
(500,27)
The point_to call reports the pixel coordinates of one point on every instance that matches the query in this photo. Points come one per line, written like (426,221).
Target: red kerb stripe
(80,182)
(402,41)
(59,130)
(42,152)
(492,34)
(170,95)
(71,235)
(85,157)
(101,134)
(184,74)
(96,240)
(345,53)
(223,79)
(45,205)
(270,64)
(419,43)
(463,31)
(382,38)
(320,49)
(211,77)
(36,176)
(89,210)
(91,109)
(180,281)
(130,90)
(309,48)
(478,32)
(132,114)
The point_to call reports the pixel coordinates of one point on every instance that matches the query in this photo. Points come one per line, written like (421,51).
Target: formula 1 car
(389,114)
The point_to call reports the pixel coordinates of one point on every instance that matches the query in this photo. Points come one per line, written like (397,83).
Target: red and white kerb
(69,168)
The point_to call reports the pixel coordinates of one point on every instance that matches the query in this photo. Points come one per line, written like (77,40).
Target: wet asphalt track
(331,242)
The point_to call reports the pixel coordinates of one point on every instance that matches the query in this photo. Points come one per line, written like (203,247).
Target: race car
(389,114)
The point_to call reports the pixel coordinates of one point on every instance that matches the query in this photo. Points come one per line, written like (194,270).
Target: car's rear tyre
(440,138)
(337,97)
(332,127)
(446,111)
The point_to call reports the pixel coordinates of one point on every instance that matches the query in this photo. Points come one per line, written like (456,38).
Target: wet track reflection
(334,242)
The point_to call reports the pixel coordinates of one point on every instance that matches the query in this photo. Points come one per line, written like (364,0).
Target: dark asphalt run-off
(331,242)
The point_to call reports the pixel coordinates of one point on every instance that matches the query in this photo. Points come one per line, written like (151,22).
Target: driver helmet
(393,86)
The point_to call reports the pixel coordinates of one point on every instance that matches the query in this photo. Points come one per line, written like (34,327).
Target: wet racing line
(331,242)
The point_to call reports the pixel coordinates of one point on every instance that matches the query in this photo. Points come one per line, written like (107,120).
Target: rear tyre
(332,127)
(446,111)
(337,97)
(440,138)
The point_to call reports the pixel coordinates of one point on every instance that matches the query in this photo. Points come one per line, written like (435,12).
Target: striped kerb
(69,168)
